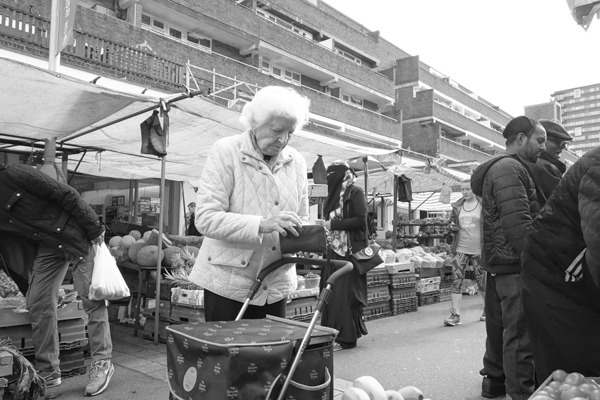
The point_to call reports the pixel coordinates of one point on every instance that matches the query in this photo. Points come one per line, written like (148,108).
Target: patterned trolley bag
(239,360)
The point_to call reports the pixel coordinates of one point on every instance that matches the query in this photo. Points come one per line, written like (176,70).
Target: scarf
(339,177)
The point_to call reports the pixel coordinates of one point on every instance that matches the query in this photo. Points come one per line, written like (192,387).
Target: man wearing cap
(509,204)
(548,170)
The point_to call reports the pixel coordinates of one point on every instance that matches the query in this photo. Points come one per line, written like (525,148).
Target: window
(577,93)
(347,55)
(158,24)
(146,19)
(577,131)
(199,40)
(175,33)
(281,73)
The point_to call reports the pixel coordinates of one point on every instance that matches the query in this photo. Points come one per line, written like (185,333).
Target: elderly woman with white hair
(253,187)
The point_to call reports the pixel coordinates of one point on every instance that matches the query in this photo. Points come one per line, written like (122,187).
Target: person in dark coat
(344,213)
(548,170)
(45,225)
(192,230)
(561,274)
(510,203)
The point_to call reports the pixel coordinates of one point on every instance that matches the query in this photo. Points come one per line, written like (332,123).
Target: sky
(512,53)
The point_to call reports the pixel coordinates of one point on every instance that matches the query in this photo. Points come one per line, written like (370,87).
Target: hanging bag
(107,281)
(368,258)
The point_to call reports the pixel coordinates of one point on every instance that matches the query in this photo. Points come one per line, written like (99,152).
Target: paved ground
(409,349)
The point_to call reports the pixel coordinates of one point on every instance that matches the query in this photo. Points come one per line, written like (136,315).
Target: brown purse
(312,239)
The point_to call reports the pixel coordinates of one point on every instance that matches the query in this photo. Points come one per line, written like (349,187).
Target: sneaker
(337,347)
(52,378)
(491,389)
(454,318)
(482,318)
(100,373)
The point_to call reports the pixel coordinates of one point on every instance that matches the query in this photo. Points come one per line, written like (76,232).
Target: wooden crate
(187,314)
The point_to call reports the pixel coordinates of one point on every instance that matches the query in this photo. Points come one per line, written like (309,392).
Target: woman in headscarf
(344,213)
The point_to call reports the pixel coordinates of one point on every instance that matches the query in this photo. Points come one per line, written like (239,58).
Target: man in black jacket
(510,203)
(45,225)
(548,170)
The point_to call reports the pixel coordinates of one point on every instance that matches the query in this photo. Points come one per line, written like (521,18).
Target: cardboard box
(395,268)
(186,296)
(6,363)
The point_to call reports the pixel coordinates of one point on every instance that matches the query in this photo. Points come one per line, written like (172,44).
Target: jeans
(508,357)
(49,269)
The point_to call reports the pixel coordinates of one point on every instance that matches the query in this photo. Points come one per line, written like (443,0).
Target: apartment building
(362,88)
(550,110)
(581,115)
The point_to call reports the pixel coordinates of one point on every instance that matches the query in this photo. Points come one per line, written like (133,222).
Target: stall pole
(185,223)
(395,219)
(161,218)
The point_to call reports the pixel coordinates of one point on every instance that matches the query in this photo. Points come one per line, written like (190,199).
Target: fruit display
(568,386)
(8,287)
(368,388)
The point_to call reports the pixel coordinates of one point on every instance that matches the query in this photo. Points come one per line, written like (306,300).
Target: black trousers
(219,308)
(564,339)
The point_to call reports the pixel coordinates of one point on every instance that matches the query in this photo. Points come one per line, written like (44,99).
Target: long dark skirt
(344,309)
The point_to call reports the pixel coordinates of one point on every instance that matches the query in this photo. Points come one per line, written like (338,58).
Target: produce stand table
(143,273)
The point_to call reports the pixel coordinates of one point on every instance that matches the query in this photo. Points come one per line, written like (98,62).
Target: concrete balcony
(274,40)
(154,61)
(480,106)
(472,129)
(459,152)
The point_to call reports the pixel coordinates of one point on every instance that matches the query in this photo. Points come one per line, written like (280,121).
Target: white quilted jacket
(236,191)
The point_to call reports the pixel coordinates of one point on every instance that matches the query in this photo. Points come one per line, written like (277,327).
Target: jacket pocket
(13,199)
(230,256)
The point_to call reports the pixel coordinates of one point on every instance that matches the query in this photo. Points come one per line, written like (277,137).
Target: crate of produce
(402,280)
(187,313)
(165,290)
(403,306)
(427,272)
(425,299)
(402,293)
(71,333)
(396,268)
(301,308)
(381,309)
(426,285)
(446,281)
(378,277)
(72,310)
(192,297)
(575,380)
(445,294)
(164,307)
(378,293)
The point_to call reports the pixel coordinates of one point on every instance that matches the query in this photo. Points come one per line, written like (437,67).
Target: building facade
(581,115)
(550,110)
(362,88)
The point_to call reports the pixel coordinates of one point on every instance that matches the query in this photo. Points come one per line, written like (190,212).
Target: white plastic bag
(107,281)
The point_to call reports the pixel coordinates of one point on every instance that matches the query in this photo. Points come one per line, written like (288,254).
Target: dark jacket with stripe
(41,209)
(509,205)
(569,222)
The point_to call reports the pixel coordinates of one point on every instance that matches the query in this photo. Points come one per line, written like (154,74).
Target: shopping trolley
(271,358)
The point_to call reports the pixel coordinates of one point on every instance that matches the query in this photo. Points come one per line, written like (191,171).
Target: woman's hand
(283,222)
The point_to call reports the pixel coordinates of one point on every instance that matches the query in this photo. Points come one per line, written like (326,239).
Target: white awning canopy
(38,104)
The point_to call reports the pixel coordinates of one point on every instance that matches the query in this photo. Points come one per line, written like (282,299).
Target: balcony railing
(34,30)
(460,151)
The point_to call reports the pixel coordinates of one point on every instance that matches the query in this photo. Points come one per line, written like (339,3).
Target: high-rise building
(550,110)
(581,115)
(362,88)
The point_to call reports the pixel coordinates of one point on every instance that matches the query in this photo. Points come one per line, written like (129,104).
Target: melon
(169,253)
(114,241)
(127,241)
(147,256)
(411,393)
(133,250)
(136,234)
(371,386)
(140,241)
(146,235)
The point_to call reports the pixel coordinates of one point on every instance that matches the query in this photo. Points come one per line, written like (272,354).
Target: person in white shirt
(466,225)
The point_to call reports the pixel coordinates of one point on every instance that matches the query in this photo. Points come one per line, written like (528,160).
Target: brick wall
(421,105)
(422,139)
(407,70)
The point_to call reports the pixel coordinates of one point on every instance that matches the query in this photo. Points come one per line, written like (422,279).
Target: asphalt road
(416,349)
